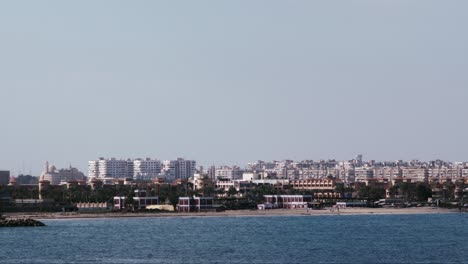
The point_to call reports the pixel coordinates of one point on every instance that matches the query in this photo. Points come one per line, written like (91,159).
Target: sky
(229,82)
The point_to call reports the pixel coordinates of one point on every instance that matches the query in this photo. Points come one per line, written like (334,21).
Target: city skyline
(85,168)
(226,83)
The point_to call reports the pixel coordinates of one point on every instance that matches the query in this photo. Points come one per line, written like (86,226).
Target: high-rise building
(226,172)
(93,169)
(4,177)
(179,169)
(110,168)
(146,169)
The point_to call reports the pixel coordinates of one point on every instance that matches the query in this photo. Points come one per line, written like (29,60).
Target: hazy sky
(227,82)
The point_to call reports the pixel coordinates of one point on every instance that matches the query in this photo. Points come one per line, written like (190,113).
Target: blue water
(436,238)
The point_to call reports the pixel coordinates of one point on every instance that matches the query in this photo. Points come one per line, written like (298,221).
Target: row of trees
(170,194)
(407,191)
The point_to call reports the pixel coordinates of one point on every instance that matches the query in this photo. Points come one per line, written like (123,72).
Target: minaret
(46,167)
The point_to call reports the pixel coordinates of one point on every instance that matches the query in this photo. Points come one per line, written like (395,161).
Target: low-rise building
(120,202)
(287,201)
(314,184)
(141,200)
(195,204)
(86,207)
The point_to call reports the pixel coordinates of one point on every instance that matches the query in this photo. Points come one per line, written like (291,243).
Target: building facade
(287,201)
(110,168)
(62,176)
(195,204)
(179,169)
(4,177)
(227,172)
(146,169)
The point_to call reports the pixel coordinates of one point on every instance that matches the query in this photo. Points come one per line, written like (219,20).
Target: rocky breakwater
(20,222)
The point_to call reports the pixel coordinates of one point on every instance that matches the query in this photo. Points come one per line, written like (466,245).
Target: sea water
(431,238)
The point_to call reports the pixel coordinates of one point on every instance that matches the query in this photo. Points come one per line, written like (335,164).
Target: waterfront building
(383,183)
(328,184)
(120,202)
(87,207)
(351,204)
(141,200)
(287,201)
(195,204)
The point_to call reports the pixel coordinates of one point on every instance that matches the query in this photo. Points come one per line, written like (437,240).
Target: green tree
(339,188)
(371,193)
(423,191)
(449,188)
(232,191)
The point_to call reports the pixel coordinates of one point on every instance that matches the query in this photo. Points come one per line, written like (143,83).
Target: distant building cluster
(305,175)
(282,184)
(357,170)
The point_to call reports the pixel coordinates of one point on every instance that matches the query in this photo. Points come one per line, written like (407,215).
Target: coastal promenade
(240,213)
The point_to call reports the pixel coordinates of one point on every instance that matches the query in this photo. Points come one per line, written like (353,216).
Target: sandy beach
(240,213)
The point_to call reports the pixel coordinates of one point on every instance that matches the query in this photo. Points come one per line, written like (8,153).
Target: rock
(20,222)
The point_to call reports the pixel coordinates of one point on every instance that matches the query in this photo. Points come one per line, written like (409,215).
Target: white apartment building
(110,168)
(387,172)
(416,174)
(146,169)
(226,172)
(363,173)
(178,169)
(93,169)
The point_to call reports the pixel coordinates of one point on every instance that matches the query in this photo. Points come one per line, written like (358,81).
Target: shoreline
(236,213)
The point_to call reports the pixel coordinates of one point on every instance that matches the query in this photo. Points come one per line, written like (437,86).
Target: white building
(140,169)
(110,168)
(61,176)
(226,172)
(178,169)
(251,176)
(146,169)
(93,169)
